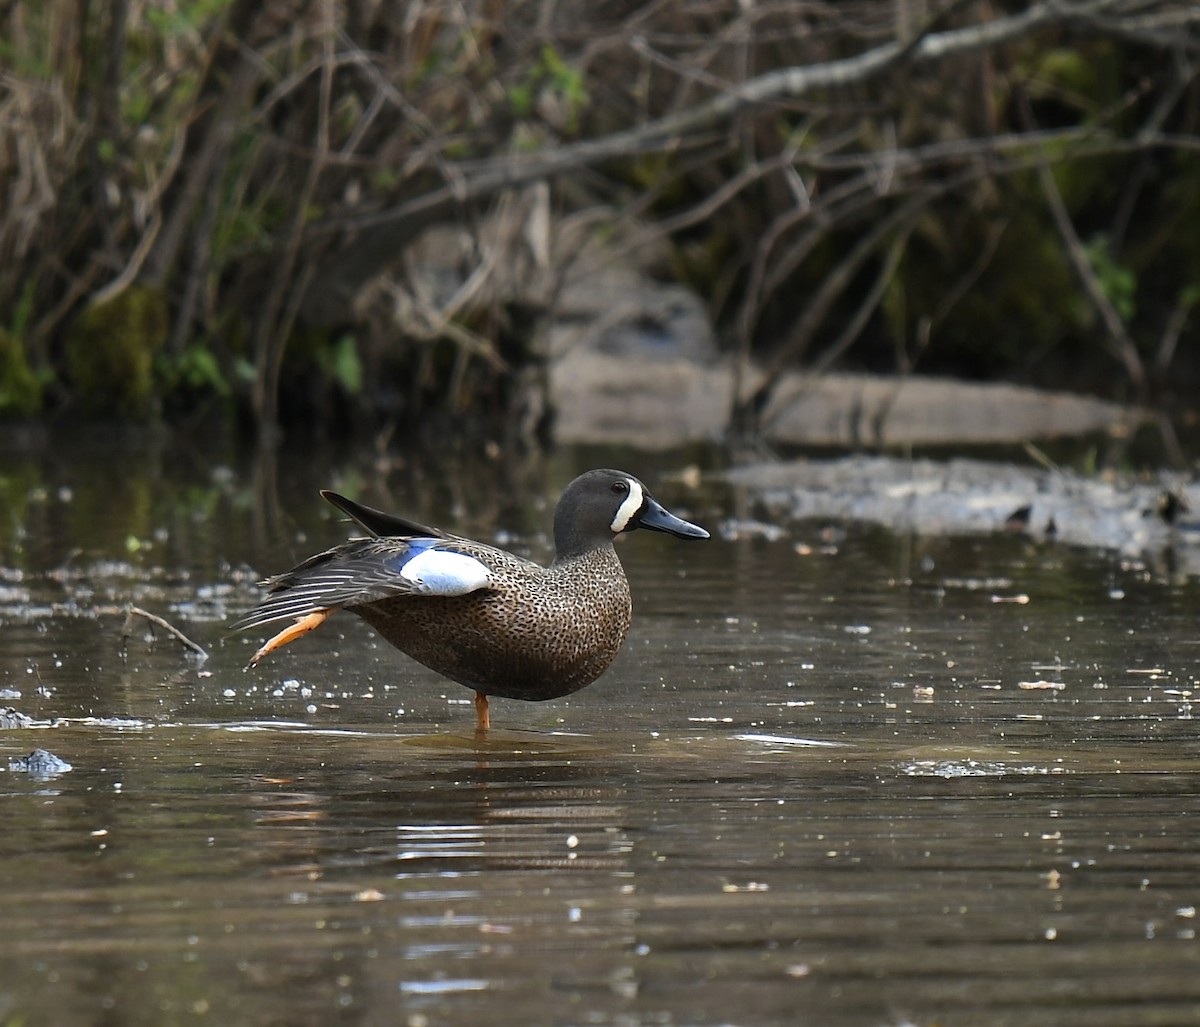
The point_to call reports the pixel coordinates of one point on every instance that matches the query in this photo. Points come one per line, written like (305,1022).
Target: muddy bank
(1134,516)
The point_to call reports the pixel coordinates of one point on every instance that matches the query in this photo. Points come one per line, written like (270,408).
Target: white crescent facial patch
(628,510)
(434,572)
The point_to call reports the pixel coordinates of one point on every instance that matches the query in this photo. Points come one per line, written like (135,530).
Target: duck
(483,617)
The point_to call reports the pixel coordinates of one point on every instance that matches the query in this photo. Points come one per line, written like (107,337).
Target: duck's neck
(602,555)
(570,542)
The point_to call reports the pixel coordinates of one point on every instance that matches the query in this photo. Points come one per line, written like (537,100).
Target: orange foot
(302,626)
(483,719)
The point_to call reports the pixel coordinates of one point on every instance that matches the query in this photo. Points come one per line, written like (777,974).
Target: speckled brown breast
(539,633)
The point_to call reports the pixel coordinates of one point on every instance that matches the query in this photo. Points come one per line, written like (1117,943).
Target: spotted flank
(433,571)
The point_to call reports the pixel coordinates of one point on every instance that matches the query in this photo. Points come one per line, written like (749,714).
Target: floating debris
(40,764)
(10,718)
(136,611)
(1126,513)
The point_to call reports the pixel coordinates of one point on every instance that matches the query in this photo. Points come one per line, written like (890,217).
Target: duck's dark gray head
(599,505)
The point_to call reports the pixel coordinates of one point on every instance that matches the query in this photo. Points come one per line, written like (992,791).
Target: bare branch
(482,177)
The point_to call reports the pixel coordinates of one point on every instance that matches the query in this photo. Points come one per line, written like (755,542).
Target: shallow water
(838,778)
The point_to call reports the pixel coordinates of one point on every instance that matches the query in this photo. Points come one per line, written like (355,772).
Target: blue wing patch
(433,570)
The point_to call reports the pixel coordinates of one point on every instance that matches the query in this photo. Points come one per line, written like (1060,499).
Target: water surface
(837,778)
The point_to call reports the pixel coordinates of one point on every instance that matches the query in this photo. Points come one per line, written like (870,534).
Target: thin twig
(865,311)
(136,611)
(1175,325)
(832,287)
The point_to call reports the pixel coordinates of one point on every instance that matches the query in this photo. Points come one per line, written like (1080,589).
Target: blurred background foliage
(214,207)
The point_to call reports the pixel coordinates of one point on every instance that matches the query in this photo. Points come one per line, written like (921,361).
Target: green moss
(20,388)
(111,353)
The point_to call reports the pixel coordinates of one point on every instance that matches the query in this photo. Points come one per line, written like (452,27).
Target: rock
(635,400)
(623,313)
(650,404)
(868,410)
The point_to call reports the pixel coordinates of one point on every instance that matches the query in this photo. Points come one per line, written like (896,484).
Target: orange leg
(302,626)
(483,719)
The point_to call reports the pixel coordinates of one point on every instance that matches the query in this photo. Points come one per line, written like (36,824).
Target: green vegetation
(20,388)
(551,82)
(111,352)
(229,205)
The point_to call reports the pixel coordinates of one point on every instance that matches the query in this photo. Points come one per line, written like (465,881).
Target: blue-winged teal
(487,619)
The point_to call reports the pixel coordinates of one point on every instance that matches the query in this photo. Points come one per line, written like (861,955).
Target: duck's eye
(620,487)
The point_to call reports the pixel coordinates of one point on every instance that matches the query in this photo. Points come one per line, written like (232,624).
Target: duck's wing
(378,523)
(364,571)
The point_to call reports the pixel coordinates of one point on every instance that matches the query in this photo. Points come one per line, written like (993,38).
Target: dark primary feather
(378,523)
